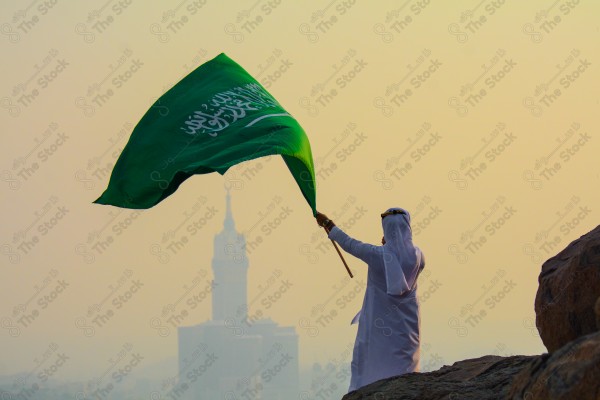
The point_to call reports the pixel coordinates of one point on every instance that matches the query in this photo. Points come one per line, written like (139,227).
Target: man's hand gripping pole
(341,256)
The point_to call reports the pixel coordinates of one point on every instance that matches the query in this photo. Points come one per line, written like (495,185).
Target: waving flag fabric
(214,118)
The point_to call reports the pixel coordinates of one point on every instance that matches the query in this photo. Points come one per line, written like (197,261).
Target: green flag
(214,118)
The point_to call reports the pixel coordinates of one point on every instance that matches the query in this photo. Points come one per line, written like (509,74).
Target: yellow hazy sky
(479,117)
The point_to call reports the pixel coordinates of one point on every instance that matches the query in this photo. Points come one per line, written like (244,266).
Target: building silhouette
(236,355)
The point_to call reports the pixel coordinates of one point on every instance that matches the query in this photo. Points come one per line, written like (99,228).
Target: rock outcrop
(598,313)
(569,286)
(483,378)
(572,372)
(567,307)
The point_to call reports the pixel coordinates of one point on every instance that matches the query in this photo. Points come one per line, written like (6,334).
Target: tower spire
(228,223)
(230,268)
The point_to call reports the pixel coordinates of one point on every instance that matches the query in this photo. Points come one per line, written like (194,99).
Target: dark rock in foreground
(487,377)
(571,373)
(569,286)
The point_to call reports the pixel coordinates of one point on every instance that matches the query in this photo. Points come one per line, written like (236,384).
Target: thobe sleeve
(358,249)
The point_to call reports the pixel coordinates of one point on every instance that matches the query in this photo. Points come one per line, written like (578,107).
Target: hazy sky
(480,118)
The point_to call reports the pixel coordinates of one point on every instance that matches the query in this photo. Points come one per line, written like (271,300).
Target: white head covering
(399,253)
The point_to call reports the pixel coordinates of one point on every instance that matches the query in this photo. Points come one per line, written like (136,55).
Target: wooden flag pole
(338,251)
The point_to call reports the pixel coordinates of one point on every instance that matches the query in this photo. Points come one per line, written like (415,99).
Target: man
(387,341)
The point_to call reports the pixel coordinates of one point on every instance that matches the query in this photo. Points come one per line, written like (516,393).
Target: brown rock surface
(569,285)
(598,313)
(487,377)
(572,372)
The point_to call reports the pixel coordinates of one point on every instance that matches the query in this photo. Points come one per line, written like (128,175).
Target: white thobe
(387,341)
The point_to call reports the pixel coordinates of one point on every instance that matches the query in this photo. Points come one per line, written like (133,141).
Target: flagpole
(338,251)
